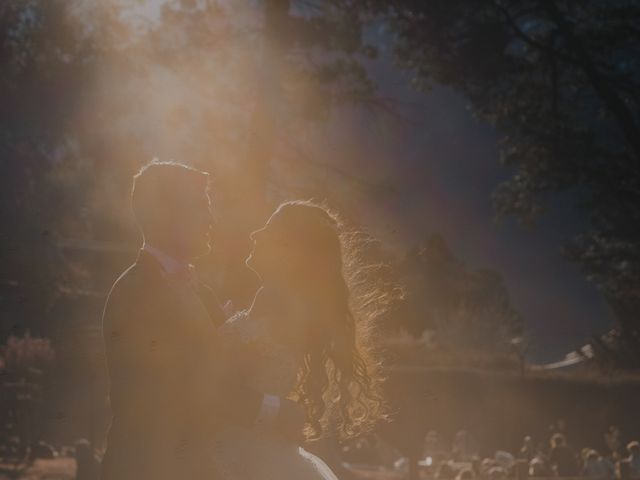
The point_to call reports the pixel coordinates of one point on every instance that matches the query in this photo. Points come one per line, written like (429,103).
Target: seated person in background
(528,449)
(613,441)
(497,473)
(371,450)
(465,474)
(595,466)
(485,465)
(562,458)
(538,467)
(433,445)
(634,458)
(505,460)
(464,447)
(386,453)
(87,464)
(445,472)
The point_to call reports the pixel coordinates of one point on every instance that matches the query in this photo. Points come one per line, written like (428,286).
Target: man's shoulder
(135,287)
(130,282)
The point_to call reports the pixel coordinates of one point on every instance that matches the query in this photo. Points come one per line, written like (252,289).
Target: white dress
(259,452)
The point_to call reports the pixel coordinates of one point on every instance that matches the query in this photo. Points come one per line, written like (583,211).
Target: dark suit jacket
(169,392)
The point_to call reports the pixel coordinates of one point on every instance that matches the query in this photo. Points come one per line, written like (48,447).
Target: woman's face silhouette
(277,257)
(297,249)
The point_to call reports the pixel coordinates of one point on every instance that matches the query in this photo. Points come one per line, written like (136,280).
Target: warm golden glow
(301,249)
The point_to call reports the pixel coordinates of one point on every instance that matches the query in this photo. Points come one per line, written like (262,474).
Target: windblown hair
(340,382)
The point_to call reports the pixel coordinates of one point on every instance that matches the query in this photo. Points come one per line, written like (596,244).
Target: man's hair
(159,186)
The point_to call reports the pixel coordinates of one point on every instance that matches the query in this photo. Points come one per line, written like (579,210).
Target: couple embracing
(199,394)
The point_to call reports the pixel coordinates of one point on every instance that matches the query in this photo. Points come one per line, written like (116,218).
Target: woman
(304,342)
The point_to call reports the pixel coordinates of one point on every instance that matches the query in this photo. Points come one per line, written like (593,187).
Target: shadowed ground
(55,469)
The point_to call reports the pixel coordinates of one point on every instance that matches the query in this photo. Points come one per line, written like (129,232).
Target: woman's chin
(251,263)
(254,265)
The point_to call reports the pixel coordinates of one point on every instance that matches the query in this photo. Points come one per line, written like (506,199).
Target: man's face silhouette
(190,224)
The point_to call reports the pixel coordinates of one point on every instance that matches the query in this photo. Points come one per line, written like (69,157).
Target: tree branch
(624,117)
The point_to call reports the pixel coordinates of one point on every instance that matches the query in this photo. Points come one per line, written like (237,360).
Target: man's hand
(290,420)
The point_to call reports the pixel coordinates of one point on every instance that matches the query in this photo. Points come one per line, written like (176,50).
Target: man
(169,388)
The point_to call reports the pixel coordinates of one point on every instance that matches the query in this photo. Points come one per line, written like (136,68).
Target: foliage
(464,308)
(45,59)
(560,81)
(405,350)
(19,355)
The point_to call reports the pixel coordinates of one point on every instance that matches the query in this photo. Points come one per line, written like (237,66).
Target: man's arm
(257,408)
(244,406)
(235,403)
(142,364)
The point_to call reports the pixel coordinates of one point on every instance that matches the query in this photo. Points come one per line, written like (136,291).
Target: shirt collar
(168,263)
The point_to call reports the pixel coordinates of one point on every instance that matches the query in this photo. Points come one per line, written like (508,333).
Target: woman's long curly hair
(340,381)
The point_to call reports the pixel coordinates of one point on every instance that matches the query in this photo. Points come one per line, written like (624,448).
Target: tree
(46,62)
(463,307)
(560,80)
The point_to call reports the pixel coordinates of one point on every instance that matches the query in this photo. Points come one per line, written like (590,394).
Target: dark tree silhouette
(463,307)
(46,62)
(560,80)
